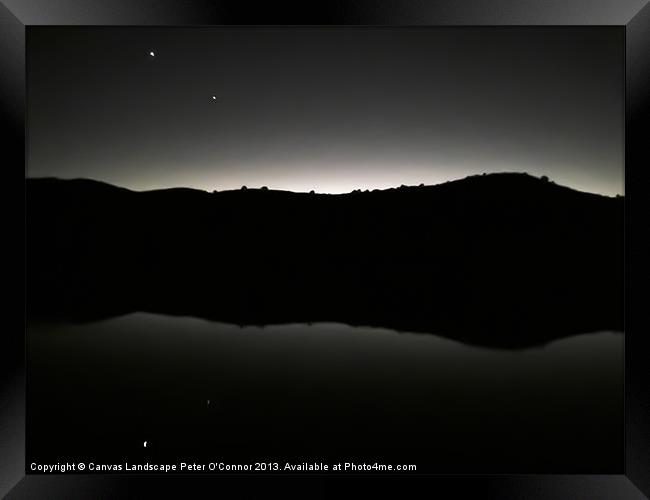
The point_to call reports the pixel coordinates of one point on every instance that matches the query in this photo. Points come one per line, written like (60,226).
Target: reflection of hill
(504,259)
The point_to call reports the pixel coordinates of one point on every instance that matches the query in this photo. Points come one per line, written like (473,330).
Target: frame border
(631,15)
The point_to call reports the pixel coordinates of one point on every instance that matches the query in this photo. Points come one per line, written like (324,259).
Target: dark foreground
(530,269)
(504,260)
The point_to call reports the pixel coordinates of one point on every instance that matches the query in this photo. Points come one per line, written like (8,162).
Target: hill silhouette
(505,260)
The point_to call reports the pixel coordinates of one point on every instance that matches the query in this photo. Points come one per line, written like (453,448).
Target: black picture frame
(632,16)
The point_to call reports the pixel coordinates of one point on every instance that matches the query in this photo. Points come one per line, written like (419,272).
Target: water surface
(195,389)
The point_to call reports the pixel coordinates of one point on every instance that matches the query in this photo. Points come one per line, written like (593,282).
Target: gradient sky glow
(329,109)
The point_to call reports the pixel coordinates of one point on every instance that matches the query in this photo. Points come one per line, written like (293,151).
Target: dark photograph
(285,248)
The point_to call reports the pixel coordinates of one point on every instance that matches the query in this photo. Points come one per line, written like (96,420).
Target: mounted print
(284,249)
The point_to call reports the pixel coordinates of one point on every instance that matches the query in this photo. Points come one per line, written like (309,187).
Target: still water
(200,390)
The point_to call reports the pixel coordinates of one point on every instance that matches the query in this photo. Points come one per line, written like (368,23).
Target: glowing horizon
(306,188)
(364,109)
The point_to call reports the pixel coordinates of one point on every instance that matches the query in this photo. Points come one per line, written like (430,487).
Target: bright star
(152,54)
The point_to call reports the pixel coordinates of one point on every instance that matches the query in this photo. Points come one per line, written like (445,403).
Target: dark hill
(503,259)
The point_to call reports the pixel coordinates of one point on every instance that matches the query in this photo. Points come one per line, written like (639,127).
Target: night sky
(328,109)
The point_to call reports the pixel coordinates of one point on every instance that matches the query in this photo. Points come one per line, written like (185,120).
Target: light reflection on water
(193,387)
